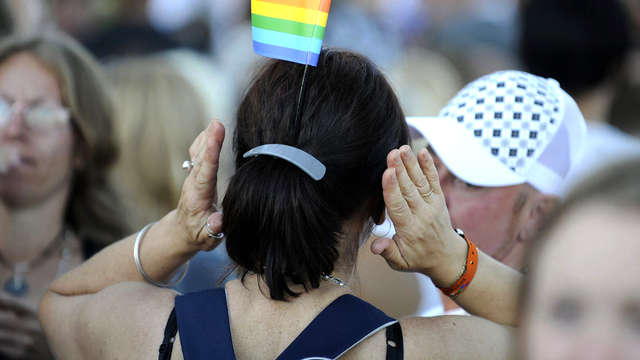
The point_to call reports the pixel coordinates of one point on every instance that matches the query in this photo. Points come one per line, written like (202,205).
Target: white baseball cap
(508,128)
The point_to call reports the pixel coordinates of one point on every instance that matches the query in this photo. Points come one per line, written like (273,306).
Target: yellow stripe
(291,13)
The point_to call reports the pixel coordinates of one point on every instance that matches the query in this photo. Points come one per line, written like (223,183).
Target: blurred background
(429,48)
(175,64)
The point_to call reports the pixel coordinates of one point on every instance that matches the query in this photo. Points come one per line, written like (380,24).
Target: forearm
(494,291)
(162,251)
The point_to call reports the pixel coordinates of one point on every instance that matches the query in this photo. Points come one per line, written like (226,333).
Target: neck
(31,228)
(595,105)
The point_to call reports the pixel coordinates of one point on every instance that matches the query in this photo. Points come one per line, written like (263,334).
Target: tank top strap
(203,323)
(339,327)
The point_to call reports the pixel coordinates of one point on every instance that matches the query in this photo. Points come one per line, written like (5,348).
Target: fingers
(10,320)
(414,170)
(388,249)
(397,207)
(193,150)
(206,178)
(408,189)
(429,169)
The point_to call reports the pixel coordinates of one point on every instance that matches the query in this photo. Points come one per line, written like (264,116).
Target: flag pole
(303,88)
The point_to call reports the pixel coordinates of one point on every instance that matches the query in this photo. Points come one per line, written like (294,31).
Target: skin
(486,214)
(45,163)
(497,220)
(35,186)
(585,298)
(104,310)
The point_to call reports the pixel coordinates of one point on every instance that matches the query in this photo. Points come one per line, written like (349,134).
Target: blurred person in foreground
(56,134)
(504,147)
(583,44)
(582,300)
(293,229)
(158,114)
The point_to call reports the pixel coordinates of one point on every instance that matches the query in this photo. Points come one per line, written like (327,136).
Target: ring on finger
(212,234)
(425,196)
(187,165)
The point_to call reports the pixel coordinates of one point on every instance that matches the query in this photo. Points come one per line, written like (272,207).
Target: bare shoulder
(128,320)
(441,337)
(123,321)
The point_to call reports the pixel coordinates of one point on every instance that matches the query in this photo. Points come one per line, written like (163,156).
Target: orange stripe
(305,4)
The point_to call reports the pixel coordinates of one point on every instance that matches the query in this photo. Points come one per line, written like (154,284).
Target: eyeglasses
(39,117)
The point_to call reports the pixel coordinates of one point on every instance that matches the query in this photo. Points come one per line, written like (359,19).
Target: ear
(536,214)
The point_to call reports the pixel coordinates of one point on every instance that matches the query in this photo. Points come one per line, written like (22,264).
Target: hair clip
(297,157)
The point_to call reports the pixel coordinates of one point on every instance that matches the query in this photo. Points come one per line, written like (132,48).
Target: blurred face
(33,132)
(488,216)
(585,293)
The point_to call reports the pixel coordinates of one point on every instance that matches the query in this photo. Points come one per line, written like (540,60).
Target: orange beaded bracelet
(468,270)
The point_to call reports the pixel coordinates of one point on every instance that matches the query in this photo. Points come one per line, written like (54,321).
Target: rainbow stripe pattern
(290,30)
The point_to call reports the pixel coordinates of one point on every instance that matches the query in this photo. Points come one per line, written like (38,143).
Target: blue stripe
(281,39)
(282,53)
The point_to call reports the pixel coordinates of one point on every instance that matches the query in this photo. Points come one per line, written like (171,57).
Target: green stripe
(287,26)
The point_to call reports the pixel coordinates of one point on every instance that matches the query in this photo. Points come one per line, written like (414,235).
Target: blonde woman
(56,124)
(158,114)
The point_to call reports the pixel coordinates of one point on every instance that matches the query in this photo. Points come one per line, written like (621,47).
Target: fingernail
(393,175)
(397,158)
(405,152)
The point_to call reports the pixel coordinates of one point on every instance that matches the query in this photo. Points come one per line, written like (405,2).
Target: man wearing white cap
(504,146)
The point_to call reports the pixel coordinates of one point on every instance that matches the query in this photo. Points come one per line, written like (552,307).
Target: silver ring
(211,234)
(187,165)
(425,196)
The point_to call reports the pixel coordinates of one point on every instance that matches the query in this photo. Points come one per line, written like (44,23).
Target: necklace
(17,285)
(324,277)
(334,279)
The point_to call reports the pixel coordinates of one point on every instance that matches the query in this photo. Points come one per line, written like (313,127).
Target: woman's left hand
(424,241)
(199,193)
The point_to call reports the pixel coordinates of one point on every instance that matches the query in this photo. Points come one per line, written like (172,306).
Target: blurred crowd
(140,79)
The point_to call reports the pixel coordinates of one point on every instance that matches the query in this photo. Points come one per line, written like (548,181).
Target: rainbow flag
(290,30)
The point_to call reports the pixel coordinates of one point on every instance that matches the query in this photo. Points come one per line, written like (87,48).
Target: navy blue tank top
(203,322)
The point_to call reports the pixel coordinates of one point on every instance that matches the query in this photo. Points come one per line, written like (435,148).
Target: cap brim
(462,153)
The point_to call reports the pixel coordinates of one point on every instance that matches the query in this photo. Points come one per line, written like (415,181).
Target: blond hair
(93,208)
(159,114)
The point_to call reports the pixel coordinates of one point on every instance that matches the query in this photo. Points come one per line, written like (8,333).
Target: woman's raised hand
(424,241)
(199,197)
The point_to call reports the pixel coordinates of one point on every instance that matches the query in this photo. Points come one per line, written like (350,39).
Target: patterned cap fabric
(508,128)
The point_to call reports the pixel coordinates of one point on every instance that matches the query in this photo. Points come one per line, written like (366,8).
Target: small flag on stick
(290,30)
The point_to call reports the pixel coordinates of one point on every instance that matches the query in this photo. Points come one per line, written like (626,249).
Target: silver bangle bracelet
(136,257)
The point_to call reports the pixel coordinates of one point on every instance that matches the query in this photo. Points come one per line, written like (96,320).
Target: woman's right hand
(425,241)
(199,193)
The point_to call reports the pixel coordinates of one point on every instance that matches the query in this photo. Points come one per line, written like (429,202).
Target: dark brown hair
(279,222)
(93,209)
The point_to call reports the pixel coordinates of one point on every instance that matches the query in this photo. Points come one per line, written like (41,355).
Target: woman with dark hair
(56,146)
(302,202)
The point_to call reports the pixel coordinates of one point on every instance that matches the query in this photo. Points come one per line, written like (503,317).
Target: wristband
(468,270)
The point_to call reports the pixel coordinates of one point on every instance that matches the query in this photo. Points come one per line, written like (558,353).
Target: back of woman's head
(93,208)
(280,223)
